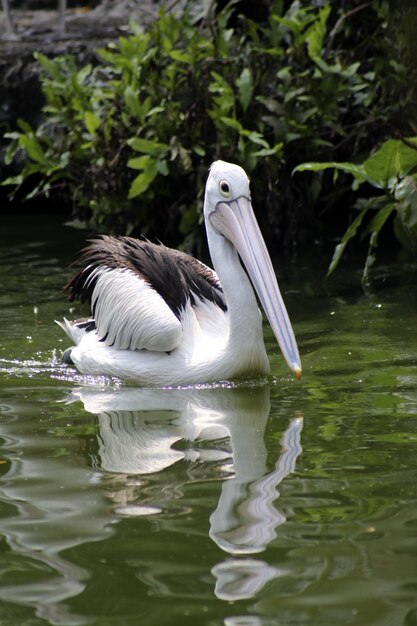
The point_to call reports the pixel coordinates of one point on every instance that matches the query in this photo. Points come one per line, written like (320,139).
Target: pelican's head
(228,208)
(226,182)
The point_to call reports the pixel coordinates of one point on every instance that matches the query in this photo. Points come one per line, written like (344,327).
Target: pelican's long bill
(236,221)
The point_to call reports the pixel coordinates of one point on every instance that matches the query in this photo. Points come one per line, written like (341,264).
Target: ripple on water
(156,497)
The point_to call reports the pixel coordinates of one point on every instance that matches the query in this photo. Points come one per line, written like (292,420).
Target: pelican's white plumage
(162,318)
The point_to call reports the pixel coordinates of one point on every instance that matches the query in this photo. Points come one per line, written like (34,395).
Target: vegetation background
(315,99)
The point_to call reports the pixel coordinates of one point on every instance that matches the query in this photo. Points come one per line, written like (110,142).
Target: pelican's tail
(76,330)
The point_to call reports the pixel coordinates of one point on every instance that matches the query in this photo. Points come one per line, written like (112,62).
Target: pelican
(160,317)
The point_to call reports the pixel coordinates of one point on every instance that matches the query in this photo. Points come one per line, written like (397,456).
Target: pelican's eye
(225,189)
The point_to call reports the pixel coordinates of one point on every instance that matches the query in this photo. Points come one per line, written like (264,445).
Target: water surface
(268,503)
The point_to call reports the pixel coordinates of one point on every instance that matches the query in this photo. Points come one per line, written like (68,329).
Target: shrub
(131,138)
(392,169)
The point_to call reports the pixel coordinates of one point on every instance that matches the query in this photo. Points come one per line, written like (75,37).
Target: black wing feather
(175,276)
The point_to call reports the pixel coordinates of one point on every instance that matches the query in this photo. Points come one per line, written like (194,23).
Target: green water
(275,504)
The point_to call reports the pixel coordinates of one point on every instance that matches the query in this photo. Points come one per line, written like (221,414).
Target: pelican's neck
(245,321)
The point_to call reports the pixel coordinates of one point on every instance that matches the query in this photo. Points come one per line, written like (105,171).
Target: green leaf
(257,138)
(378,221)
(132,102)
(406,220)
(24,126)
(139,163)
(142,182)
(11,135)
(176,55)
(13,180)
(33,148)
(357,171)
(92,122)
(277,149)
(139,185)
(146,146)
(51,66)
(392,160)
(136,28)
(316,33)
(155,111)
(244,83)
(373,228)
(351,232)
(162,167)
(83,73)
(232,123)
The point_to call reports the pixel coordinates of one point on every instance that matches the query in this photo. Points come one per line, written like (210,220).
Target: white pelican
(162,318)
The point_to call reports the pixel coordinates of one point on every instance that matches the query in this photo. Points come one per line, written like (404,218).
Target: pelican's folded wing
(138,291)
(130,314)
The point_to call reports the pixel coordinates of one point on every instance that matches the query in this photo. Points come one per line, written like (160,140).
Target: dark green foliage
(131,138)
(384,170)
(392,170)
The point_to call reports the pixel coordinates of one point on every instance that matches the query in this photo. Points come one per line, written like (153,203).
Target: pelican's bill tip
(297,371)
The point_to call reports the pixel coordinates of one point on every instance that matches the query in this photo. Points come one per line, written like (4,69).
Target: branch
(339,23)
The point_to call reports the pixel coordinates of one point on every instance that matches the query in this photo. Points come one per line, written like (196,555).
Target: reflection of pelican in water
(138,441)
(59,502)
